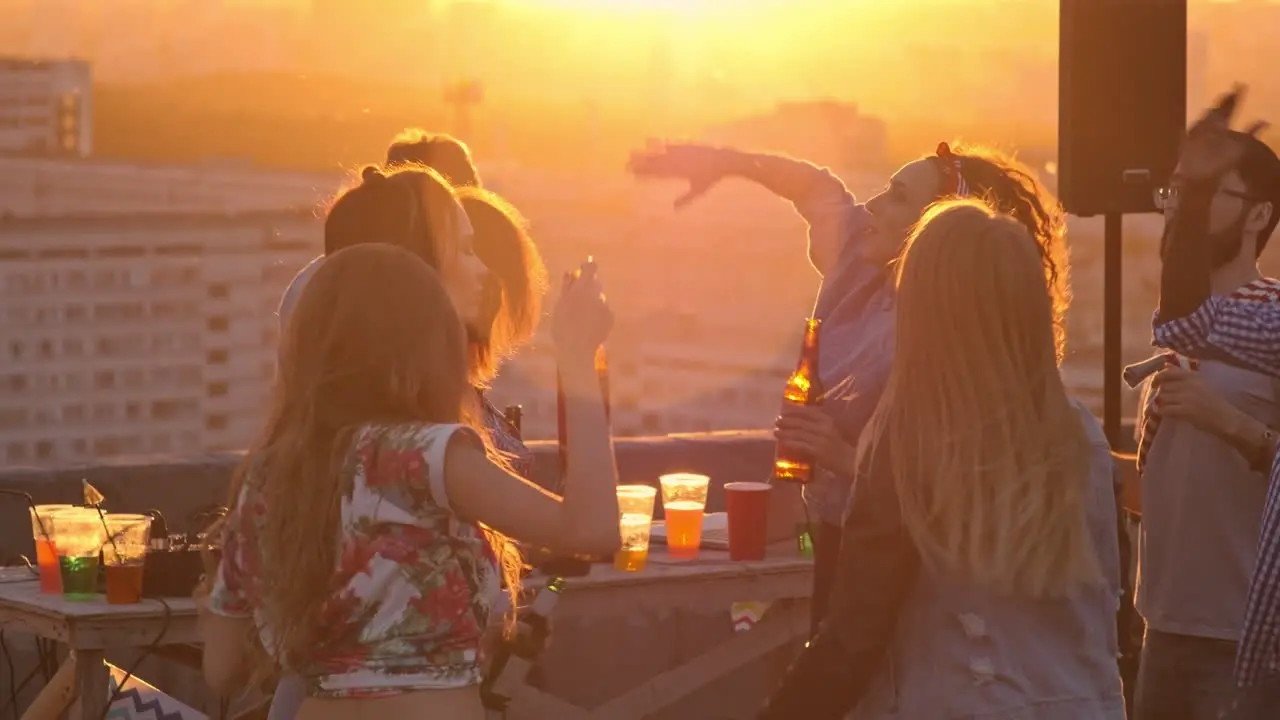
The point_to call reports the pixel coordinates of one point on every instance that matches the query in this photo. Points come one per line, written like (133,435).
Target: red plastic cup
(747,504)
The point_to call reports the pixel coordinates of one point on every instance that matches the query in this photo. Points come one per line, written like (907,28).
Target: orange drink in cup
(635,521)
(684,499)
(46,558)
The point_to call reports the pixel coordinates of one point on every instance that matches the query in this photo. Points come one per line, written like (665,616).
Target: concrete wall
(183,487)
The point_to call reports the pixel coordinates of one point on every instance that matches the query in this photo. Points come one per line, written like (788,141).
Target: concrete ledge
(182,487)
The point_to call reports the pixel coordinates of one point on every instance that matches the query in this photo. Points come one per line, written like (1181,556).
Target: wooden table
(91,627)
(712,582)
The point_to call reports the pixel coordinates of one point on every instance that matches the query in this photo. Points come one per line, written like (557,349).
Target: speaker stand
(1113,295)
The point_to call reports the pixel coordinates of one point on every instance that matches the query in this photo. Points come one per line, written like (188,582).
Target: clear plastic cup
(78,536)
(684,500)
(42,534)
(124,555)
(635,522)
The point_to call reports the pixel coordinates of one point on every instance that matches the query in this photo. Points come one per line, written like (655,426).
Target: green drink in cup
(78,538)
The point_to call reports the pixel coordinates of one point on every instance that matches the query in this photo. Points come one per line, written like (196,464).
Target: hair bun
(372,174)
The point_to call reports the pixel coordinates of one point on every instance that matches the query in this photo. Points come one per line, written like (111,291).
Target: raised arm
(819,196)
(585,520)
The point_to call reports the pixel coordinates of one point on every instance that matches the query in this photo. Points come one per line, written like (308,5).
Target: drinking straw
(94,499)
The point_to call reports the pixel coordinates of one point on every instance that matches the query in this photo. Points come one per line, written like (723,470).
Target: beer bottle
(580,564)
(602,372)
(803,388)
(515,658)
(515,418)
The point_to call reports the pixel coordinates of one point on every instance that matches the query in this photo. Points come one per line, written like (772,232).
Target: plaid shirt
(1245,327)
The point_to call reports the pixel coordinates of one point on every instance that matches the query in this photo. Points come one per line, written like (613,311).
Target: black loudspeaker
(1122,102)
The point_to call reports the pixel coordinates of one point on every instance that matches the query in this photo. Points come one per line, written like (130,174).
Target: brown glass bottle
(578,564)
(514,415)
(602,372)
(804,387)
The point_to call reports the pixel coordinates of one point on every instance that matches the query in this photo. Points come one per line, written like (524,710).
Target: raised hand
(582,319)
(1212,148)
(701,165)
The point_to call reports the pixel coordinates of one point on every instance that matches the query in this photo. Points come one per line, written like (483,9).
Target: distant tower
(463,96)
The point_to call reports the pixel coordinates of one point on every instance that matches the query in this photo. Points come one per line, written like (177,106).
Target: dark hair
(1259,170)
(445,154)
(516,283)
(1013,189)
(411,207)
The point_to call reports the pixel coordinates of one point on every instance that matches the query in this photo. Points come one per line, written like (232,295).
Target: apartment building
(51,186)
(46,107)
(143,333)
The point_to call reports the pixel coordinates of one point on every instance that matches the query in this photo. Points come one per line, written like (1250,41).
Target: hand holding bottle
(582,319)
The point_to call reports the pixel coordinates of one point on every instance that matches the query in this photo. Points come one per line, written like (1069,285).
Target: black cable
(15,687)
(47,651)
(13,675)
(146,652)
(24,562)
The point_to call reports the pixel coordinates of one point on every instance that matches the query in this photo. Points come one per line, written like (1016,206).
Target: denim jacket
(902,641)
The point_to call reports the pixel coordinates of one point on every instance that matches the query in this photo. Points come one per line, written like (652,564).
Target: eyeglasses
(1167,197)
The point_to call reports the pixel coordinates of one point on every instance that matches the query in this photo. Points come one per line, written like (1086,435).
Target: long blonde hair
(988,455)
(517,280)
(353,354)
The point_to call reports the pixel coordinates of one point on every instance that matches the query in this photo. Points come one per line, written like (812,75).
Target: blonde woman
(366,545)
(979,568)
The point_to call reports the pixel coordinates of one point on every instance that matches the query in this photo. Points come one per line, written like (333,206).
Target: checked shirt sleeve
(1257,656)
(1243,326)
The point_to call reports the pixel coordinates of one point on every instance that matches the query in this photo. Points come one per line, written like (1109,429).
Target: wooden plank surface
(666,585)
(94,624)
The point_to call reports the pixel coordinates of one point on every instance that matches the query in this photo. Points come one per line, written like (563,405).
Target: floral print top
(414,584)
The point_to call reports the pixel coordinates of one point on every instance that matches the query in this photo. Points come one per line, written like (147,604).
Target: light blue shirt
(291,294)
(856,306)
(291,690)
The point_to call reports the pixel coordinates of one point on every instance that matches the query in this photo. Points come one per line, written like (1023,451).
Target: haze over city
(270,104)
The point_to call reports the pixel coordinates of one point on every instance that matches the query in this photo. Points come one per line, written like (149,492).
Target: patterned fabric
(953,182)
(413,587)
(1245,326)
(1258,658)
(506,440)
(1149,418)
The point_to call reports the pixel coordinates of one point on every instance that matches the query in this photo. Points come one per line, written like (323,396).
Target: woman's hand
(812,431)
(582,319)
(701,165)
(1184,394)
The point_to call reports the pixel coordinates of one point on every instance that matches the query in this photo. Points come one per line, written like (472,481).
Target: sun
(681,6)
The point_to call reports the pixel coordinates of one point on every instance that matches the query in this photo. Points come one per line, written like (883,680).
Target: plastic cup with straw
(94,499)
